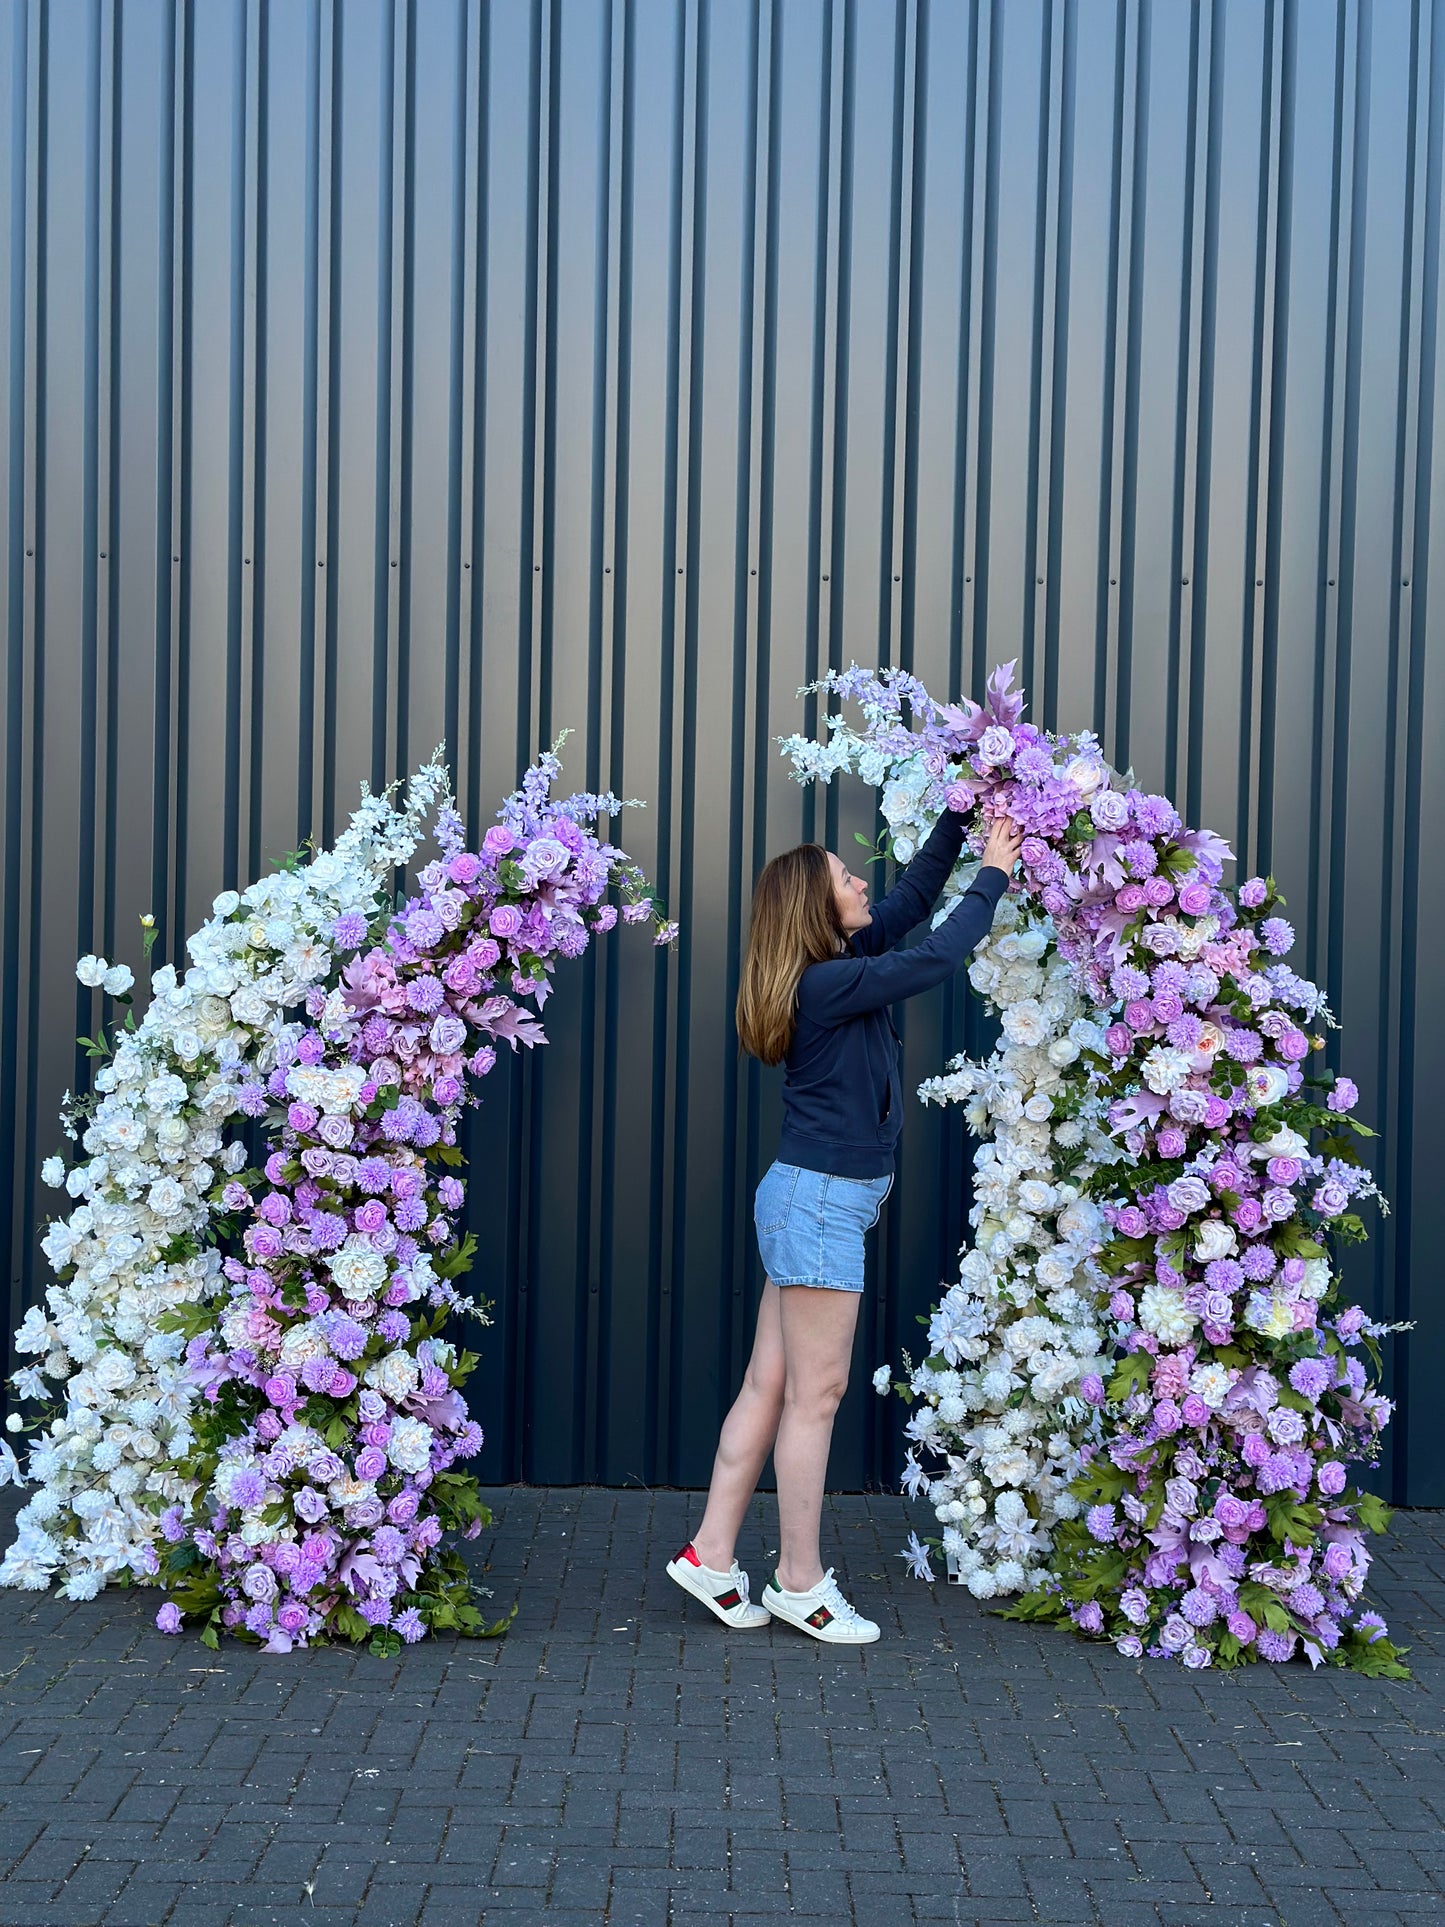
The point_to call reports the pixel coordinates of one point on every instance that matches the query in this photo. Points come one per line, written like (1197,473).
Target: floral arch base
(249,1395)
(1142,1395)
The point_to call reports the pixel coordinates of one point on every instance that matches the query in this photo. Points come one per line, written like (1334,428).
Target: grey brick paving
(621,1758)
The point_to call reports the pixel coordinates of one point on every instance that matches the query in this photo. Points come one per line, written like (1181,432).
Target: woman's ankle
(790,1579)
(711,1556)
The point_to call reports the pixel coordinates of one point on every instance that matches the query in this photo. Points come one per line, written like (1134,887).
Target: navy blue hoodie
(842,1093)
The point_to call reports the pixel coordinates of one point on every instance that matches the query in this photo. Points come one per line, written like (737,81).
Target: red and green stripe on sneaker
(725,1594)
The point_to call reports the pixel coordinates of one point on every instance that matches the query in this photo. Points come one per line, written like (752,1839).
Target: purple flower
(168,1619)
(505,921)
(410,1625)
(1330,1478)
(1199,1607)
(1194,899)
(1134,1604)
(1312,1377)
(499,841)
(1277,935)
(1089,1617)
(1344,1096)
(1253,893)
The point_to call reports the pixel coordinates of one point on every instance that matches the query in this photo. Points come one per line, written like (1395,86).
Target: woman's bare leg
(745,1440)
(817,1333)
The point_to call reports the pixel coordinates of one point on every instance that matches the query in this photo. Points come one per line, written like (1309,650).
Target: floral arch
(1141,1395)
(249,1396)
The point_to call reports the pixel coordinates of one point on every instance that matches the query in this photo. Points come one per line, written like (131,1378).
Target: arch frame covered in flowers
(262,1413)
(1141,1396)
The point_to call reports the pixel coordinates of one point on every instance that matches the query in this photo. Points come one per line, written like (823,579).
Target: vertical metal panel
(376,372)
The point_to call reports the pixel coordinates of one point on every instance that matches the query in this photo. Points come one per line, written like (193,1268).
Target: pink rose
(1158,891)
(499,841)
(1196,1412)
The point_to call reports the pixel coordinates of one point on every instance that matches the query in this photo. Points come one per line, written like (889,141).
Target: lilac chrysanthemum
(1312,1377)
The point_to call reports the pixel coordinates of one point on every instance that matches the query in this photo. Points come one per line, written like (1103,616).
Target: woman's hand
(1005,840)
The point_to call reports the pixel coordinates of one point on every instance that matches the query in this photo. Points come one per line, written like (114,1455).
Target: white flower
(91,971)
(117,980)
(409,1447)
(1211,1383)
(359,1272)
(1165,1069)
(52,1172)
(1267,1085)
(882,1379)
(1215,1239)
(1162,1311)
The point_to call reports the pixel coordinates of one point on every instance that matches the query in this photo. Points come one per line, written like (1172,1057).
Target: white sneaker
(724,1593)
(822,1611)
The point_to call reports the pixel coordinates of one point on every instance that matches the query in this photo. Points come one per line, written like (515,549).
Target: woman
(820,973)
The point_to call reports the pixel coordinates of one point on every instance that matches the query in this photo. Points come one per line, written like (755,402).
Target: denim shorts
(810,1225)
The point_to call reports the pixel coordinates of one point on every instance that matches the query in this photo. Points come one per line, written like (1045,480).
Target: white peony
(1163,1312)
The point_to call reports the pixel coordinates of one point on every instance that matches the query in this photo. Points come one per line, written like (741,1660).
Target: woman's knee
(815,1392)
(765,1379)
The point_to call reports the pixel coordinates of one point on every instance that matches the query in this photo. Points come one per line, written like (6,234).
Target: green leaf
(385,1643)
(1374,1515)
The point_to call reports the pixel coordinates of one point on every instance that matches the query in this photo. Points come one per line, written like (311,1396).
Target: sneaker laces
(831,1594)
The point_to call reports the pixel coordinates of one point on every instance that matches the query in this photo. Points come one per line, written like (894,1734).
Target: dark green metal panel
(376,372)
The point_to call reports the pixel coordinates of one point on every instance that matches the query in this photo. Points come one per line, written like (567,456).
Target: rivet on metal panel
(1185,580)
(825,578)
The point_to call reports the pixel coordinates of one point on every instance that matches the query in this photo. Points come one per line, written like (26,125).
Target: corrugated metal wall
(376,372)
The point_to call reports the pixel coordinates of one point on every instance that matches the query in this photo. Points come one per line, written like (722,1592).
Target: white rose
(226,904)
(91,971)
(117,980)
(1086,773)
(1215,1239)
(1267,1085)
(52,1172)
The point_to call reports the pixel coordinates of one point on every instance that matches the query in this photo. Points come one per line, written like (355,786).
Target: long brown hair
(794,924)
